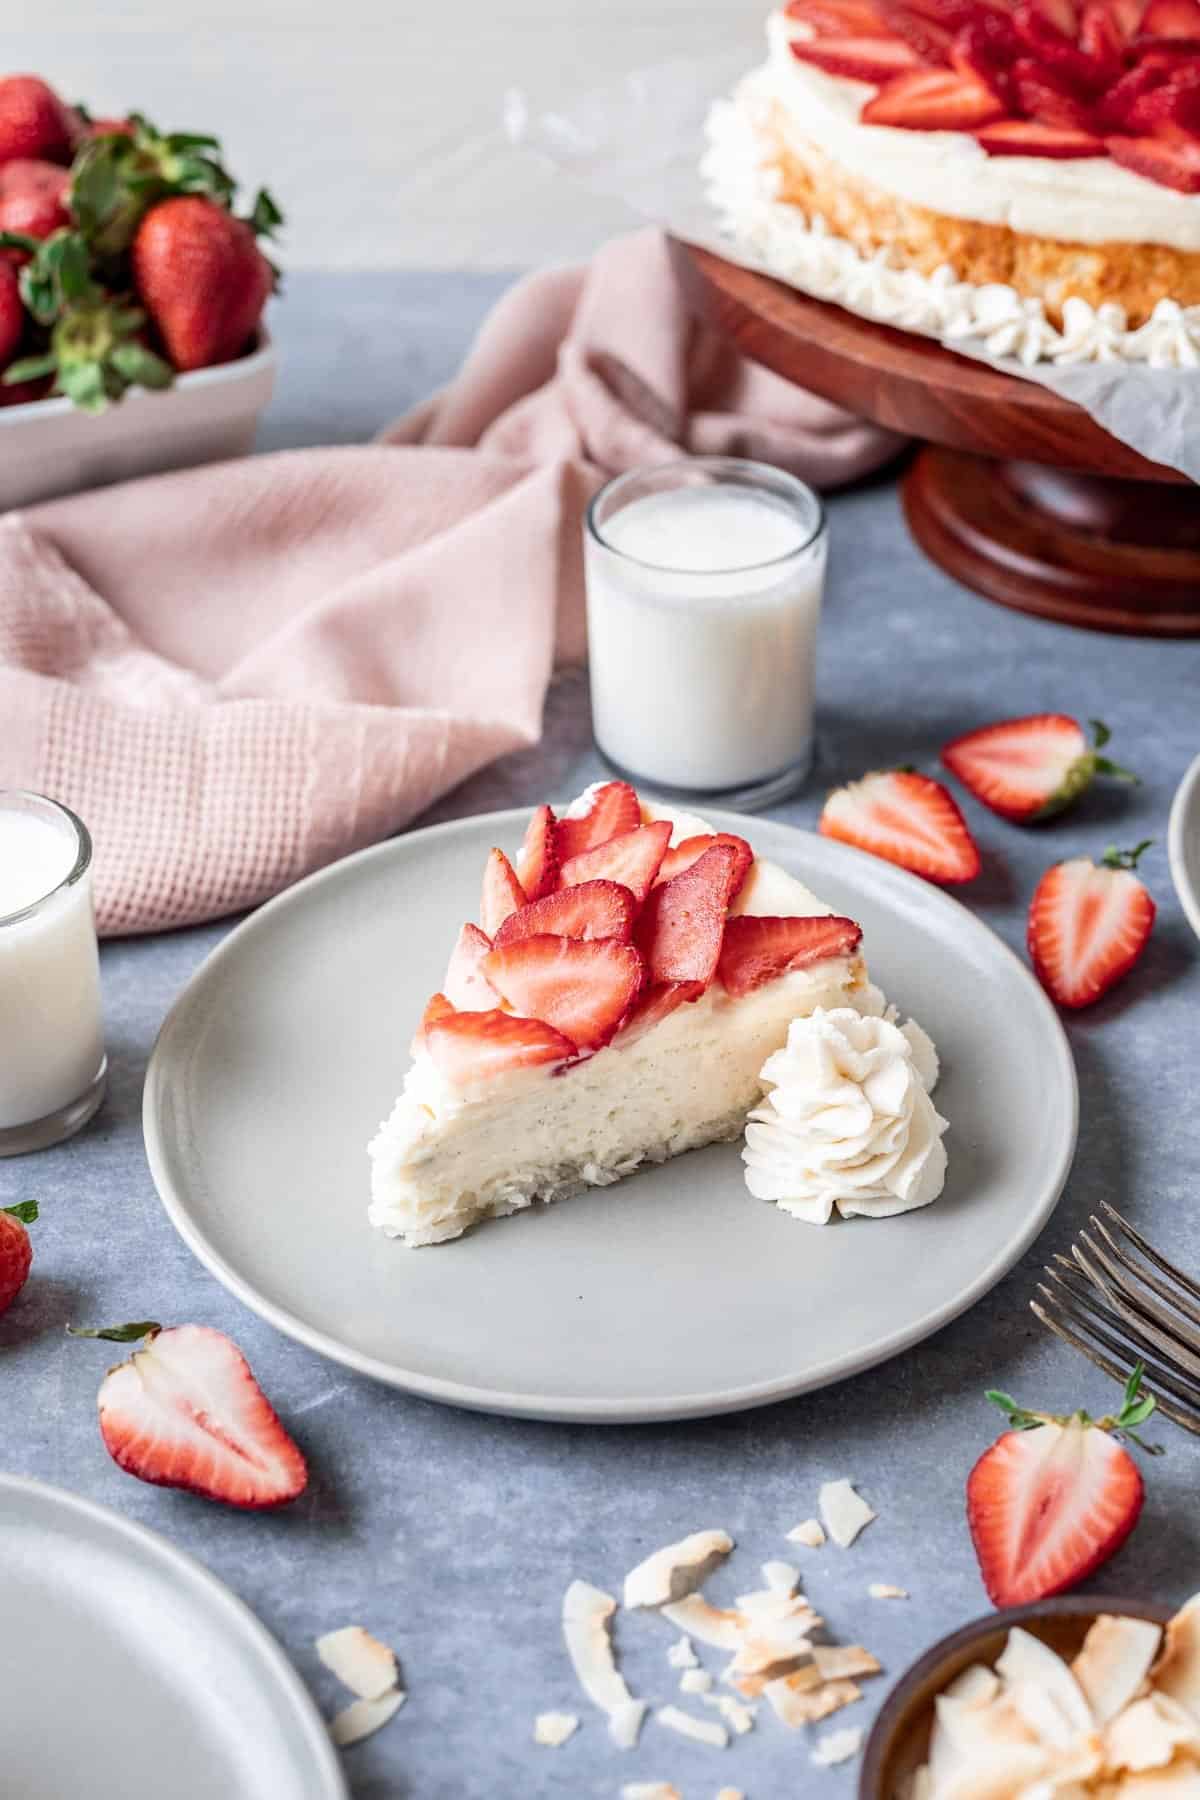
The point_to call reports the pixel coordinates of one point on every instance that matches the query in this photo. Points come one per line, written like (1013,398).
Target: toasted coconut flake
(781,1577)
(1114,1662)
(360,1661)
(996,1771)
(695,1681)
(1027,1663)
(681,1655)
(836,1662)
(650,1790)
(554,1728)
(676,1570)
(845,1513)
(884,1590)
(975,1686)
(711,1624)
(625,1724)
(734,1713)
(809,1531)
(586,1612)
(1177,1671)
(362,1717)
(800,1705)
(701,1731)
(837,1746)
(730,1794)
(1148,1733)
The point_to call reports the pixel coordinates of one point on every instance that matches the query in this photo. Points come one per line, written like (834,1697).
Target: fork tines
(1119,1301)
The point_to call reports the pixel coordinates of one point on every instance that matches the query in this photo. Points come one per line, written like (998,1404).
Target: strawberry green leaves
(25,1210)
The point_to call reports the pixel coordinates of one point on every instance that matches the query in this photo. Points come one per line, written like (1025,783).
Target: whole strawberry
(33,199)
(202,278)
(34,121)
(16,1251)
(12,313)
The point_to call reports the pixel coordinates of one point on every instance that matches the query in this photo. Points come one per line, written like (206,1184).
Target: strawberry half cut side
(1029,769)
(614,808)
(474,1046)
(906,818)
(633,859)
(1054,1497)
(592,909)
(758,950)
(185,1411)
(1088,925)
(582,990)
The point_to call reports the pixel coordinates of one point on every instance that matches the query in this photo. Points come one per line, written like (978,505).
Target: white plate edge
(1185,794)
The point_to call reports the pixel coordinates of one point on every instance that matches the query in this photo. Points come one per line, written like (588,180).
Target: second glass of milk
(704,585)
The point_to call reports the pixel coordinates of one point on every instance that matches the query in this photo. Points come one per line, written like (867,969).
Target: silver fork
(1119,1301)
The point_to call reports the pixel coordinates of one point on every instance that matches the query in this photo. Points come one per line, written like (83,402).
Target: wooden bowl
(899,1740)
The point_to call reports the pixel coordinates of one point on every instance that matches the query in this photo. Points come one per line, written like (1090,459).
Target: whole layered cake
(1026,173)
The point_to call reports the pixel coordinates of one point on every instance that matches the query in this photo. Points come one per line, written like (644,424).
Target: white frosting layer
(848,1122)
(1086,200)
(802,251)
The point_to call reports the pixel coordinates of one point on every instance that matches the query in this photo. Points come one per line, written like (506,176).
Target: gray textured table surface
(453,1535)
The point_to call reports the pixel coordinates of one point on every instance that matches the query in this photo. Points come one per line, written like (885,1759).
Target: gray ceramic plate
(672,1294)
(122,1659)
(1183,844)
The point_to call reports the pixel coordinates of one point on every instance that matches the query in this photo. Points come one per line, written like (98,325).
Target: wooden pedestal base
(1109,554)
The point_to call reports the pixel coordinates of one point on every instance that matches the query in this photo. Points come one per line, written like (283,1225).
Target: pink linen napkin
(237,674)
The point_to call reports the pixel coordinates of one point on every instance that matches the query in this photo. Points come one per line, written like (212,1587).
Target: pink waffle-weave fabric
(237,674)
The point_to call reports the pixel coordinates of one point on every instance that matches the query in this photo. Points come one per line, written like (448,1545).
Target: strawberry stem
(1125,859)
(117,1334)
(1136,1407)
(1104,765)
(25,1210)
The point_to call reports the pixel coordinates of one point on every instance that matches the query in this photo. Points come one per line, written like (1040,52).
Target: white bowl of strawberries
(131,299)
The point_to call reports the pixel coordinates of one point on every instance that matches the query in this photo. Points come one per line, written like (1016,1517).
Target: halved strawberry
(758,950)
(682,856)
(683,921)
(614,809)
(537,859)
(185,1411)
(930,40)
(472,1046)
(906,818)
(933,100)
(592,909)
(1088,925)
(502,893)
(465,987)
(653,1006)
(870,59)
(16,1250)
(1049,99)
(1029,137)
(1054,1497)
(581,989)
(632,859)
(1031,768)
(839,18)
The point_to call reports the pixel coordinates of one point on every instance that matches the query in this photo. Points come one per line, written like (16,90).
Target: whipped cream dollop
(848,1123)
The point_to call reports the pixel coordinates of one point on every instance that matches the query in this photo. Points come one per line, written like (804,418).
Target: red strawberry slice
(581,989)
(537,861)
(1174,164)
(473,1046)
(502,893)
(906,818)
(614,809)
(1171,106)
(930,40)
(653,1006)
(1101,38)
(632,859)
(1053,49)
(1061,15)
(186,1412)
(1028,137)
(1088,925)
(437,1007)
(466,988)
(985,49)
(1049,99)
(683,921)
(1030,768)
(839,18)
(758,950)
(862,59)
(593,909)
(953,14)
(682,856)
(1054,1498)
(933,100)
(1120,107)
(1170,19)
(1126,16)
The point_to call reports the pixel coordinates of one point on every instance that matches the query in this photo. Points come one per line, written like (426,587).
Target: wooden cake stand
(1017,493)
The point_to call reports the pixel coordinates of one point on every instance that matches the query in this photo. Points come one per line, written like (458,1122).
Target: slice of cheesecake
(626,983)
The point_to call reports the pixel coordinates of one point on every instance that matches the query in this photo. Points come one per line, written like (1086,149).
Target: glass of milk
(704,584)
(52,1061)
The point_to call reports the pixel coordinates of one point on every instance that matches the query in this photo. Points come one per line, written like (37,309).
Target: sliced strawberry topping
(933,100)
(758,950)
(654,1005)
(1120,107)
(906,818)
(632,859)
(930,41)
(1126,16)
(953,14)
(537,862)
(839,18)
(1050,100)
(614,809)
(1060,15)
(1100,37)
(1027,137)
(466,988)
(502,893)
(682,856)
(581,989)
(593,909)
(862,59)
(1173,164)
(1170,19)
(438,1007)
(1053,49)
(680,930)
(1088,925)
(471,1046)
(986,49)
